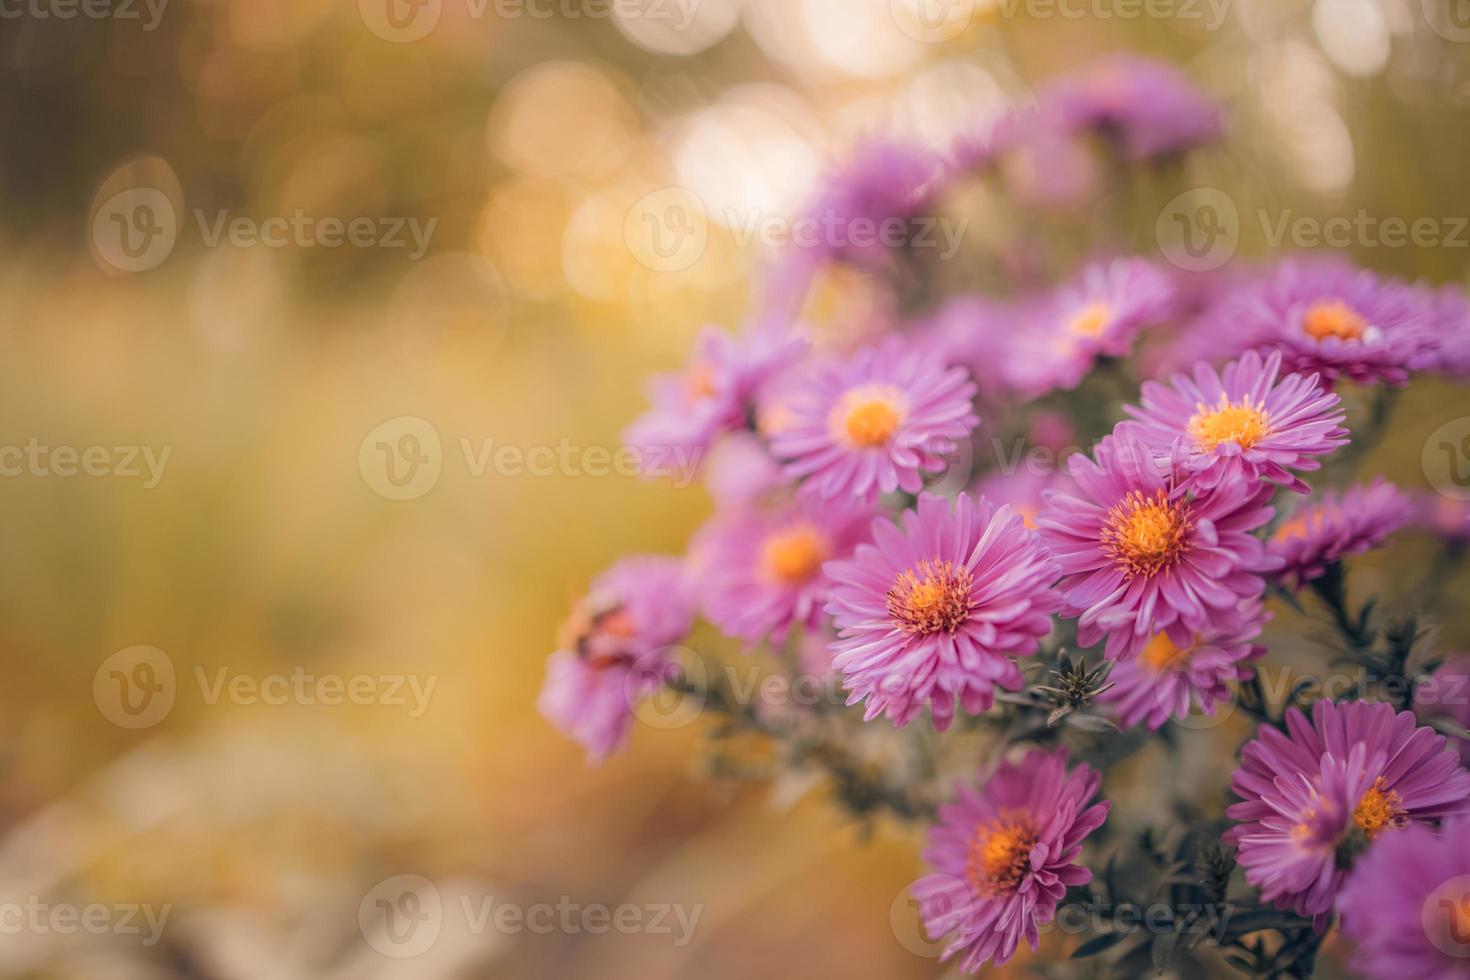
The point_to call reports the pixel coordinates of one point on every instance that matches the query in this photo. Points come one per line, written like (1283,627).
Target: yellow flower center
(1091,320)
(1297,527)
(931,596)
(794,555)
(868,417)
(1378,808)
(1244,424)
(1000,854)
(1333,318)
(1147,535)
(1160,653)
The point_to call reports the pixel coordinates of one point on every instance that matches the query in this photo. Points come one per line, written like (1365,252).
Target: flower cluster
(858,525)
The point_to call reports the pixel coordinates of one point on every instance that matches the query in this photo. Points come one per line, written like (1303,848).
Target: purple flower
(1141,555)
(1061,336)
(1328,316)
(1149,106)
(1004,856)
(1247,421)
(1179,667)
(1336,526)
(712,395)
(760,570)
(1406,907)
(933,613)
(874,422)
(1446,694)
(1452,320)
(1443,516)
(854,217)
(613,651)
(1316,795)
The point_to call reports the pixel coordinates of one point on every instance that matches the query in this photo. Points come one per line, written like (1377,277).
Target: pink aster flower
(1141,554)
(1406,908)
(1446,694)
(613,651)
(713,394)
(933,613)
(1313,797)
(1060,336)
(874,422)
(1246,421)
(1149,106)
(1443,516)
(1327,316)
(1452,322)
(760,570)
(1179,667)
(1004,856)
(1337,526)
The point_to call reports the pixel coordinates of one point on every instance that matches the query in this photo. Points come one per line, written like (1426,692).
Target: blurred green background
(528,133)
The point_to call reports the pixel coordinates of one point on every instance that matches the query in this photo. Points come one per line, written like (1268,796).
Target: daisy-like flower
(613,650)
(1247,420)
(1315,796)
(1142,555)
(1327,316)
(1005,854)
(712,395)
(1336,526)
(934,613)
(1179,667)
(1150,107)
(760,570)
(1406,908)
(875,422)
(1061,336)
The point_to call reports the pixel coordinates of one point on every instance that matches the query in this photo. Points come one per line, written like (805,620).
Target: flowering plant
(1013,633)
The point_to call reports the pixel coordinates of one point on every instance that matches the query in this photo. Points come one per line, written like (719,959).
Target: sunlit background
(522,141)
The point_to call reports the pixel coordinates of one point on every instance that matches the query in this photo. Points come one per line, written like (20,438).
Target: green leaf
(1098,944)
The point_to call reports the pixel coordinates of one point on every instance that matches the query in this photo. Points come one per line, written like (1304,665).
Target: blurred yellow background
(527,133)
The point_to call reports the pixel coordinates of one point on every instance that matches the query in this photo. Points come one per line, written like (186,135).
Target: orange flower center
(1333,318)
(699,382)
(1297,527)
(1161,654)
(1000,855)
(868,417)
(1378,808)
(1244,424)
(931,596)
(1147,535)
(1091,320)
(794,555)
